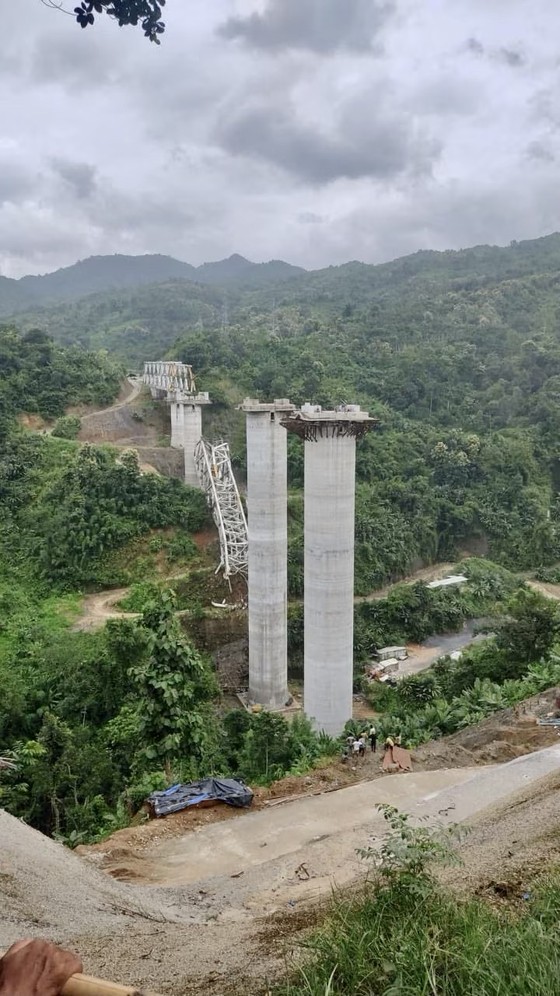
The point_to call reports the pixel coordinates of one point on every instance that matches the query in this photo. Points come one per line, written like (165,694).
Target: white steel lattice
(216,478)
(175,378)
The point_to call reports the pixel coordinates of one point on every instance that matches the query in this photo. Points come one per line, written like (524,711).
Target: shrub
(67,427)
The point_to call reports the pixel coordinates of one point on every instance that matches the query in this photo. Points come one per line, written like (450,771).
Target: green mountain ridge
(119,272)
(451,268)
(425,291)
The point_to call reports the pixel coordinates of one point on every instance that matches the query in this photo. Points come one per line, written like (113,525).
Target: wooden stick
(87,985)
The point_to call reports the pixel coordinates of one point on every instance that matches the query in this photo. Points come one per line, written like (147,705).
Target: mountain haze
(118,272)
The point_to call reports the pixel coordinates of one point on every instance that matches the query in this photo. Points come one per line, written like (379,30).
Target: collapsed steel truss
(213,466)
(216,478)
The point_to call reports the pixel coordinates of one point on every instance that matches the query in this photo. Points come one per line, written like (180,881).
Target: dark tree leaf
(125,12)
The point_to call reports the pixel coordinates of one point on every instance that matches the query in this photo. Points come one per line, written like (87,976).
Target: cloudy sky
(315,131)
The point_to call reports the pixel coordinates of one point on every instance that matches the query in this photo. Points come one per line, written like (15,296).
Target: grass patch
(403,935)
(390,943)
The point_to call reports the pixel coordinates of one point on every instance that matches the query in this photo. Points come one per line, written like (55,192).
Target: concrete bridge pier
(177,411)
(267,493)
(175,381)
(329,500)
(191,433)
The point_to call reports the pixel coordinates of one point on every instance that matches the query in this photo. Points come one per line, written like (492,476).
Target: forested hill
(39,377)
(458,353)
(107,273)
(427,270)
(424,296)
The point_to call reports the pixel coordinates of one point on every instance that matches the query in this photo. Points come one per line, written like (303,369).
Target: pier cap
(181,397)
(278,405)
(313,422)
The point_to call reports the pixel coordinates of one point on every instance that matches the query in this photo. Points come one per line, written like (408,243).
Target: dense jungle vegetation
(457,354)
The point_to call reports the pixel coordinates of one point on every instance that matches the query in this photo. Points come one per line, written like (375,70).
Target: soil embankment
(129,424)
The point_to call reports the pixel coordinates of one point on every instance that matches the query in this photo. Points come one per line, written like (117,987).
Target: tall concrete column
(192,431)
(177,411)
(267,492)
(330,465)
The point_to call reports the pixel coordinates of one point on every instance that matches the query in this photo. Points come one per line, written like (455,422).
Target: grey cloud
(509,56)
(512,57)
(544,106)
(65,228)
(452,216)
(318,25)
(364,143)
(212,144)
(447,95)
(16,183)
(475,46)
(542,153)
(310,218)
(64,59)
(80,177)
(143,212)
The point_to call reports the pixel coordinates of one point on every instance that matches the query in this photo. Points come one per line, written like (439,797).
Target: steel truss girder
(213,464)
(175,378)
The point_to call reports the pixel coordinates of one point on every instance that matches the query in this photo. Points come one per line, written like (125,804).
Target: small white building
(388,653)
(453,579)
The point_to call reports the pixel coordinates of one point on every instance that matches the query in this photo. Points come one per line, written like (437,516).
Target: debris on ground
(206,792)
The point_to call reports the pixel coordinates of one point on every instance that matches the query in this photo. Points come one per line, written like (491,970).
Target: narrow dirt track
(546,589)
(136,388)
(98,608)
(432,573)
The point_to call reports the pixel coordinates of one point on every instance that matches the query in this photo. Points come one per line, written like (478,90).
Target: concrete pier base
(267,491)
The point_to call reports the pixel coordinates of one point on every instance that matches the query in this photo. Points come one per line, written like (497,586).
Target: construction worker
(36,968)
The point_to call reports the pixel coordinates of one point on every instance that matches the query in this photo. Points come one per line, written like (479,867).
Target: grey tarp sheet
(229,790)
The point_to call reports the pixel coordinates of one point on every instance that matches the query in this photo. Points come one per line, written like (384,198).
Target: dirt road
(253,883)
(99,607)
(423,655)
(319,834)
(432,573)
(295,831)
(133,390)
(546,589)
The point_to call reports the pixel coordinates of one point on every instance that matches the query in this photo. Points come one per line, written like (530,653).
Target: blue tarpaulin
(232,791)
